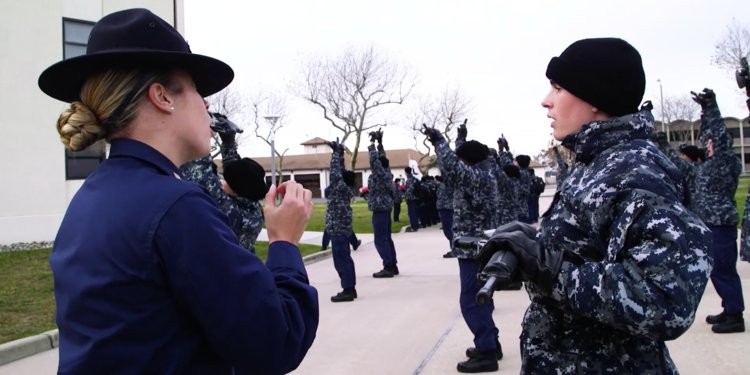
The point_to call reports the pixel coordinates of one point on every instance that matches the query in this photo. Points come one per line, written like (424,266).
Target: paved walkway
(411,324)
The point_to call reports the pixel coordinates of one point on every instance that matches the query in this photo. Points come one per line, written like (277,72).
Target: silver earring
(172,109)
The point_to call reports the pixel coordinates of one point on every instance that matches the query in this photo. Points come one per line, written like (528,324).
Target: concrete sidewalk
(411,324)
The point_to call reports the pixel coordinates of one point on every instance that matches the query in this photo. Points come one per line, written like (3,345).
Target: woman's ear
(160,97)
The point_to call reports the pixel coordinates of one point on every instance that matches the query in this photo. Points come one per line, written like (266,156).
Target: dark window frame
(80,164)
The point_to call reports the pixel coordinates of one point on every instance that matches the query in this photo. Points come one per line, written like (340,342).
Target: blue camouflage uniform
(412,201)
(339,222)
(716,179)
(508,190)
(444,206)
(636,265)
(164,287)
(380,202)
(474,210)
(245,215)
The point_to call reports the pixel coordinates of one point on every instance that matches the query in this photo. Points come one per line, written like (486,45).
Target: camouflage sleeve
(229,152)
(336,172)
(381,150)
(655,288)
(199,171)
(717,129)
(459,141)
(504,158)
(375,165)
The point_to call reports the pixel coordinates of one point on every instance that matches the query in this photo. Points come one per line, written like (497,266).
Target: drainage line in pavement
(440,341)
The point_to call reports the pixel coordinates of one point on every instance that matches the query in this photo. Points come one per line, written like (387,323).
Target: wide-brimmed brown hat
(133,38)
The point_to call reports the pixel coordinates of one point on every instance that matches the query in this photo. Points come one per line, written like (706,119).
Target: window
(79,164)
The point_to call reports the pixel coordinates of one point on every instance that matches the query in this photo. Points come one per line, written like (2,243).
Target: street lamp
(272,120)
(661,98)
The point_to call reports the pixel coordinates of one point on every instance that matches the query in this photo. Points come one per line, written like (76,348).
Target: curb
(28,346)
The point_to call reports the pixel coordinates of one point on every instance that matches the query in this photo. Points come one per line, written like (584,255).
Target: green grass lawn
(27,305)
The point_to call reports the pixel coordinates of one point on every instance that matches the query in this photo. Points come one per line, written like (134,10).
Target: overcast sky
(495,52)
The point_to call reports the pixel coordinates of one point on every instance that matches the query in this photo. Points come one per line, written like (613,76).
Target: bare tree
(230,103)
(734,45)
(679,108)
(351,87)
(444,112)
(678,115)
(269,115)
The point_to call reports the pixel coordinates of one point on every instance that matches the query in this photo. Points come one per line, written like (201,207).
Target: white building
(39,177)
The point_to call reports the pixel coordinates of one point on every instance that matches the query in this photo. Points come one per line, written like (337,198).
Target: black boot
(472,352)
(449,254)
(384,273)
(481,362)
(393,269)
(730,324)
(348,294)
(716,319)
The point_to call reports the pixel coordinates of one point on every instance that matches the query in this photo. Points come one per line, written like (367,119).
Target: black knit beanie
(472,152)
(523,161)
(349,178)
(605,72)
(246,177)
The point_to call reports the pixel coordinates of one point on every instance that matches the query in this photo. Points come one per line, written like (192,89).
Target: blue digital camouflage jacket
(636,265)
(380,184)
(474,195)
(339,195)
(717,177)
(245,215)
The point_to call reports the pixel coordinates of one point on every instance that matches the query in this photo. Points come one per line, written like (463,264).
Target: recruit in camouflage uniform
(636,260)
(339,222)
(245,215)
(380,202)
(412,202)
(716,179)
(474,210)
(474,194)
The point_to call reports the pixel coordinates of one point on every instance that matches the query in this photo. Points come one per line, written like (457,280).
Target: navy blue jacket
(150,278)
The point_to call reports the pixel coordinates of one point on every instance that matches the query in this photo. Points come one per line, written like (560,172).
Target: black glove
(373,136)
(433,135)
(535,263)
(336,146)
(225,128)
(705,98)
(462,131)
(502,144)
(379,136)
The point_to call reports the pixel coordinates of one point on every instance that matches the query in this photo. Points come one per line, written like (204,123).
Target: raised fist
(462,131)
(704,98)
(502,144)
(433,135)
